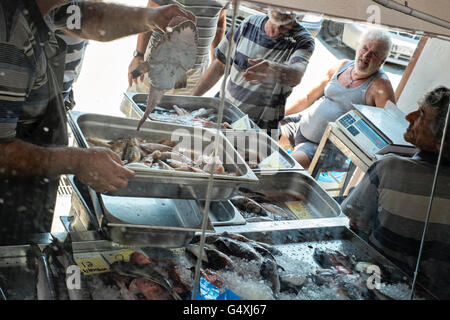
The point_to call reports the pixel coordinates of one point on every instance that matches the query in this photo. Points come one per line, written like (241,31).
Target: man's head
(374,47)
(427,122)
(279,22)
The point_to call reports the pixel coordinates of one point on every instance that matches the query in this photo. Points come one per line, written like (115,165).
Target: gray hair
(281,17)
(379,35)
(439,98)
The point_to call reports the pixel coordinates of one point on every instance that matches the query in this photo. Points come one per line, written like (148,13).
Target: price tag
(298,209)
(119,255)
(242,124)
(91,263)
(274,161)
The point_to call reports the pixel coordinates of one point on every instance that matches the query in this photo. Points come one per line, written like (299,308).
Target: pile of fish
(256,206)
(251,269)
(140,153)
(206,118)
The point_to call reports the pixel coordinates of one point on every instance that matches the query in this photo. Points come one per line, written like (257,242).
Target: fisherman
(389,207)
(212,16)
(33,132)
(358,81)
(269,57)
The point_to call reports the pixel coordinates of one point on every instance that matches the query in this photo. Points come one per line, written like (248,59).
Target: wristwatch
(137,54)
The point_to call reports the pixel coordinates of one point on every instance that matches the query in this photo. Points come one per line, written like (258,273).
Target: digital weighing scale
(377,131)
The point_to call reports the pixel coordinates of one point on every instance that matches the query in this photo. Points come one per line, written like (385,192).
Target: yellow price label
(241,124)
(91,263)
(120,255)
(298,209)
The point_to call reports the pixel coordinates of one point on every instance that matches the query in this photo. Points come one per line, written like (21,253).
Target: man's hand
(102,170)
(260,71)
(159,17)
(133,65)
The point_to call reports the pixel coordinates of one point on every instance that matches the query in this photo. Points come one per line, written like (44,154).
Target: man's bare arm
(380,92)
(209,78)
(99,21)
(315,93)
(220,32)
(99,168)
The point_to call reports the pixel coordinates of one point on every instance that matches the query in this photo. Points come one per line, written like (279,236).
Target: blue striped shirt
(24,88)
(390,206)
(265,101)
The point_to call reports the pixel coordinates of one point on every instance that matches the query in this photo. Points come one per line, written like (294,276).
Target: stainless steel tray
(315,199)
(168,223)
(178,215)
(138,103)
(261,146)
(157,183)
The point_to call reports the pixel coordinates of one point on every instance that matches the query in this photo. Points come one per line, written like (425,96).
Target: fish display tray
(260,146)
(296,245)
(158,183)
(164,215)
(138,103)
(317,202)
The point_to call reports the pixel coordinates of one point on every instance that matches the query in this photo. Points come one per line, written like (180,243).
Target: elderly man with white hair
(358,81)
(270,55)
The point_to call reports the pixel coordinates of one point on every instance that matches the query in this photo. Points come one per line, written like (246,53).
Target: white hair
(281,17)
(380,35)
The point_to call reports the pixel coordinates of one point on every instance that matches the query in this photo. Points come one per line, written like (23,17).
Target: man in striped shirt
(389,207)
(33,128)
(269,57)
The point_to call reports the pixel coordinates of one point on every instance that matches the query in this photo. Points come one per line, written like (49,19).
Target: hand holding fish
(159,17)
(102,169)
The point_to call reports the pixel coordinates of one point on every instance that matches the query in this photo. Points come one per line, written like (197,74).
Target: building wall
(431,70)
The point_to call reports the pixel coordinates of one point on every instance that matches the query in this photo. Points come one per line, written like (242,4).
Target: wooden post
(409,69)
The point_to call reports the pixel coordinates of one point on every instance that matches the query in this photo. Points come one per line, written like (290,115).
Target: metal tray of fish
(286,195)
(328,264)
(260,151)
(159,182)
(203,110)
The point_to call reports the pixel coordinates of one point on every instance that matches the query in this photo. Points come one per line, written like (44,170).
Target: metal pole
(216,146)
(430,204)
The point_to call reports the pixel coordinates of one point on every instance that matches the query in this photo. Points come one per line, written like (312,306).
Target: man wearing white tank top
(359,81)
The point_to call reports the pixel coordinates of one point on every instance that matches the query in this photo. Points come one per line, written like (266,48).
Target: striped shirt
(390,206)
(24,88)
(75,50)
(265,101)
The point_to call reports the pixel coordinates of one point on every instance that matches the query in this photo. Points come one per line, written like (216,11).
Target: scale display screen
(361,133)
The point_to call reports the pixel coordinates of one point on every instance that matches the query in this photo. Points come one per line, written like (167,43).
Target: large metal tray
(138,102)
(158,183)
(298,183)
(258,142)
(83,217)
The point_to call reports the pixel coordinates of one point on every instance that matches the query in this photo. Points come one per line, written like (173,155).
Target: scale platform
(377,131)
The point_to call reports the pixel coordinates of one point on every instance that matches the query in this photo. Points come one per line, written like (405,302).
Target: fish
(164,156)
(169,143)
(151,147)
(96,142)
(169,60)
(64,254)
(152,290)
(273,208)
(45,284)
(180,111)
(292,282)
(259,246)
(182,166)
(249,205)
(143,271)
(269,271)
(213,258)
(132,152)
(236,248)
